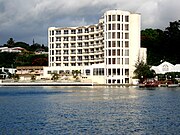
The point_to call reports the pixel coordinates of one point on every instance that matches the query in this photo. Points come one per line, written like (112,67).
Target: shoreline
(59,84)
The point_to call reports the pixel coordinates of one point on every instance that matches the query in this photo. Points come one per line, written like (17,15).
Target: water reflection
(89,110)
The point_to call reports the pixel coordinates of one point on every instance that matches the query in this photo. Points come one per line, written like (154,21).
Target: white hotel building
(105,53)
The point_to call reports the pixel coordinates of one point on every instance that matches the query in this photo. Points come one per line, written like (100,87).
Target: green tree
(7,59)
(152,39)
(172,41)
(143,71)
(10,42)
(22,44)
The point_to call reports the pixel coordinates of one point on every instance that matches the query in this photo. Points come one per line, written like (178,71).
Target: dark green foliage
(7,59)
(143,71)
(26,58)
(162,45)
(31,60)
(10,42)
(22,44)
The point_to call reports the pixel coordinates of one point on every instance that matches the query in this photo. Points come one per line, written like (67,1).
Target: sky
(25,20)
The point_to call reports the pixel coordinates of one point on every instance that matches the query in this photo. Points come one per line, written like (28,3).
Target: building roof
(166,67)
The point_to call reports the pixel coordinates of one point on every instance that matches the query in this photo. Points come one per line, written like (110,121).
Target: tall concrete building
(105,52)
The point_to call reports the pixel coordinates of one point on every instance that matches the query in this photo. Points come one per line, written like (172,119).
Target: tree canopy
(162,45)
(143,71)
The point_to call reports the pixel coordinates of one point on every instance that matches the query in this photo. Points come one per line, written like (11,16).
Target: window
(109,18)
(118,27)
(118,43)
(109,35)
(118,35)
(58,45)
(58,52)
(118,52)
(126,52)
(126,18)
(73,51)
(113,26)
(79,30)
(73,58)
(114,18)
(113,43)
(65,45)
(109,71)
(118,71)
(113,60)
(126,71)
(126,35)
(49,72)
(113,52)
(79,44)
(88,71)
(114,71)
(98,71)
(58,32)
(66,39)
(86,30)
(126,44)
(113,35)
(73,45)
(58,38)
(118,18)
(109,60)
(80,58)
(79,51)
(126,26)
(126,80)
(73,31)
(65,31)
(73,38)
(65,58)
(109,26)
(92,29)
(126,61)
(109,43)
(109,53)
(80,38)
(73,64)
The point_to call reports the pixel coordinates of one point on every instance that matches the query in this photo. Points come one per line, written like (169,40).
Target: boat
(173,85)
(149,83)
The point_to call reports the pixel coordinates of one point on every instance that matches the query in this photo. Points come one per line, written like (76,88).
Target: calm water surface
(89,110)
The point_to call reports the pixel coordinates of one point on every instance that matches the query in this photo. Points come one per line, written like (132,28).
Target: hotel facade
(104,53)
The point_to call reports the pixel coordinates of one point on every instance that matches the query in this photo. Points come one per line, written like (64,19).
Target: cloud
(28,20)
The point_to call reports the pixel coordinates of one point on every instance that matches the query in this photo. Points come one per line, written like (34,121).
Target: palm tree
(76,73)
(33,77)
(55,77)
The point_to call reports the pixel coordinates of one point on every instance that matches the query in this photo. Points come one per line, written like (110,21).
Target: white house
(166,67)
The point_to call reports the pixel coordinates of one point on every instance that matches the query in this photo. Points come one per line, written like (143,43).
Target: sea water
(89,110)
